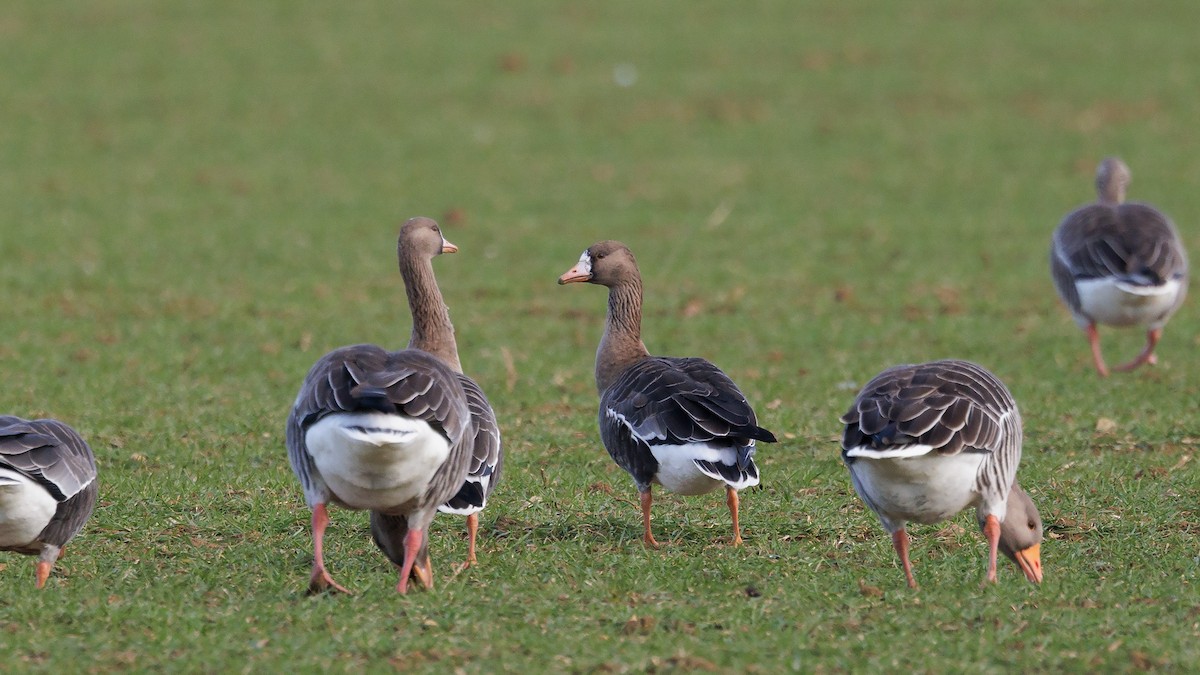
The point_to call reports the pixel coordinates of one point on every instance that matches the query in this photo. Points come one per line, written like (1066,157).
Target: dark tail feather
(737,478)
(760,434)
(373,398)
(469,496)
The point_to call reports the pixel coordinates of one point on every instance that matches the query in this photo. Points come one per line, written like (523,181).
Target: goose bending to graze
(48,489)
(382,431)
(421,240)
(923,442)
(678,422)
(1120,264)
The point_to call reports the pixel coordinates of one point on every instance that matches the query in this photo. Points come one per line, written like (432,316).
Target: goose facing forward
(678,422)
(48,489)
(420,242)
(1119,264)
(923,442)
(381,431)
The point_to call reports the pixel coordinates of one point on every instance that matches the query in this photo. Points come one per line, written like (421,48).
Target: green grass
(199,199)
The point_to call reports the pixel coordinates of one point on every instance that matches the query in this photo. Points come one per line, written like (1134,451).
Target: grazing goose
(382,431)
(923,442)
(678,422)
(48,489)
(421,240)
(1120,264)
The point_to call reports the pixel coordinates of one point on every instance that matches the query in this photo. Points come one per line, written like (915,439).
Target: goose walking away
(1120,264)
(382,431)
(421,239)
(923,442)
(48,489)
(678,422)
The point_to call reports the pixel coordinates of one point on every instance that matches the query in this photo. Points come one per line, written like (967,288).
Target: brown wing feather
(950,406)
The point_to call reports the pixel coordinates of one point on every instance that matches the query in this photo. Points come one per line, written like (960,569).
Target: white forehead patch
(585,263)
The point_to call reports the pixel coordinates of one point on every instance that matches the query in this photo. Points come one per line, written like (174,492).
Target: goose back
(365,378)
(668,401)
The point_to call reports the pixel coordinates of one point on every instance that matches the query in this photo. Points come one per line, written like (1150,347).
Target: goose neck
(432,330)
(621,346)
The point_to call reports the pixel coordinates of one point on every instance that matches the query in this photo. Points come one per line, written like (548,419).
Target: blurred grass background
(199,199)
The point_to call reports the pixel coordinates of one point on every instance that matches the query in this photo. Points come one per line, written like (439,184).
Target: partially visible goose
(678,422)
(1120,264)
(421,240)
(48,489)
(487,458)
(382,431)
(923,442)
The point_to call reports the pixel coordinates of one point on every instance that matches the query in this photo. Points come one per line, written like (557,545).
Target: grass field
(200,199)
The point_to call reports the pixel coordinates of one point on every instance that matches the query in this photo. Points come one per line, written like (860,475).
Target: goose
(487,459)
(421,240)
(678,422)
(381,431)
(923,442)
(1120,264)
(48,489)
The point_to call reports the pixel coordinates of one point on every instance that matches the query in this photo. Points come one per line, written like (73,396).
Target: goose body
(1119,264)
(48,488)
(924,442)
(486,462)
(679,422)
(486,454)
(382,431)
(926,488)
(374,460)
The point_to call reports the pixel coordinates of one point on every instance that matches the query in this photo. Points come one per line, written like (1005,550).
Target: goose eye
(1032,525)
(599,256)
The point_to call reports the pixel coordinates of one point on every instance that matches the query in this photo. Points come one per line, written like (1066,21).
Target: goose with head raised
(678,422)
(434,333)
(1119,263)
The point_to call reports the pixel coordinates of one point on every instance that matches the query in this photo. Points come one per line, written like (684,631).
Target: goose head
(1021,534)
(422,236)
(606,263)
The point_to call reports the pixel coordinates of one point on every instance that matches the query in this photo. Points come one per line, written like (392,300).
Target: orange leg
(320,580)
(731,498)
(1147,355)
(900,543)
(412,545)
(43,567)
(472,529)
(647,537)
(1094,340)
(42,572)
(991,531)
